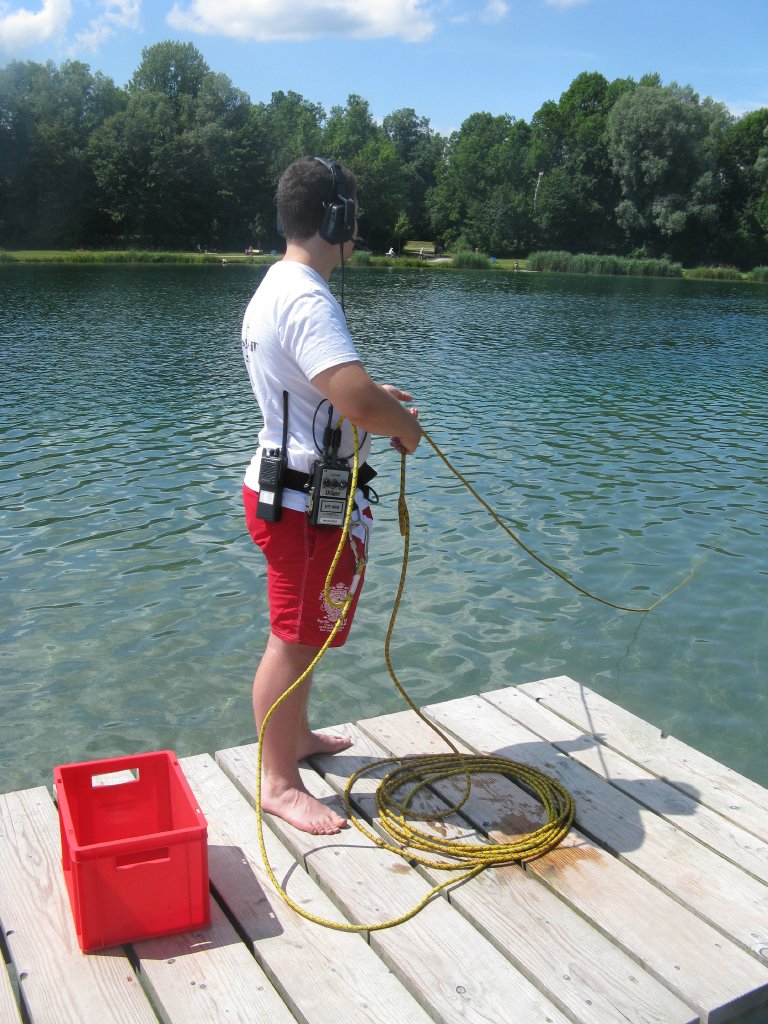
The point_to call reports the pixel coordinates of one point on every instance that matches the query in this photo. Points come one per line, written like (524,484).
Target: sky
(446,59)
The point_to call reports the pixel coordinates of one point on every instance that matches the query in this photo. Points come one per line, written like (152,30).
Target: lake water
(618,426)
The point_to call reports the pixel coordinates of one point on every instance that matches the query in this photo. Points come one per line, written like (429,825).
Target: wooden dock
(654,909)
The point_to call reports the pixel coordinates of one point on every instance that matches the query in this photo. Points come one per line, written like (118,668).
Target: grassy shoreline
(112,256)
(541,262)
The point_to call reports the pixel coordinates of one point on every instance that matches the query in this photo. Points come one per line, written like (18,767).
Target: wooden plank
(207,977)
(57,982)
(9,1009)
(668,796)
(735,797)
(568,959)
(316,971)
(715,889)
(688,955)
(448,966)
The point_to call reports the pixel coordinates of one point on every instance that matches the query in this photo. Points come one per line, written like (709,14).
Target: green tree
(744,165)
(576,191)
(170,165)
(47,115)
(419,151)
(349,129)
(275,134)
(174,70)
(402,230)
(219,177)
(568,213)
(381,190)
(663,143)
(292,128)
(351,136)
(479,198)
(131,155)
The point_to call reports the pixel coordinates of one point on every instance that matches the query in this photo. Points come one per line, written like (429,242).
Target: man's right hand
(405,443)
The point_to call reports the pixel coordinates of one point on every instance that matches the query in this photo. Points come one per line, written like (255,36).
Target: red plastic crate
(134,848)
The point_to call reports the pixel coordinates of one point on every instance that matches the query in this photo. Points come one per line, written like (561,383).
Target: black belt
(296,481)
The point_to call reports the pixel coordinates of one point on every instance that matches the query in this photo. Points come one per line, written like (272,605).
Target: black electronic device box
(329,493)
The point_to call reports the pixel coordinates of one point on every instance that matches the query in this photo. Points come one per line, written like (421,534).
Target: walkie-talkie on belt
(274,462)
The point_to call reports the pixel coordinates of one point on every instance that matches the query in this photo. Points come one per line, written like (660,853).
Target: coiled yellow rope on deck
(413,774)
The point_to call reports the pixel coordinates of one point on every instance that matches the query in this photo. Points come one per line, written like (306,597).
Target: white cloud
(23,28)
(117,14)
(264,20)
(495,10)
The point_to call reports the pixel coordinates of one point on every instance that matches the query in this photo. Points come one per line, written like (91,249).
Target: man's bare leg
(282,791)
(317,742)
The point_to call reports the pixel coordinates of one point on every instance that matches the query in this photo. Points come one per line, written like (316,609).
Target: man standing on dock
(306,374)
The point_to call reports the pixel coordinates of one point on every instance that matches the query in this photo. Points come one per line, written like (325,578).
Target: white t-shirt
(294,329)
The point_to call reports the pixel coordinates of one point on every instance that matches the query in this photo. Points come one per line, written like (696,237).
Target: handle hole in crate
(115,778)
(131,860)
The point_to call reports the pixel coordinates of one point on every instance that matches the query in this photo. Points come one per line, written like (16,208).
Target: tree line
(181,159)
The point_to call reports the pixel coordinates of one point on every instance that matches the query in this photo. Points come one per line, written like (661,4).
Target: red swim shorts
(299,556)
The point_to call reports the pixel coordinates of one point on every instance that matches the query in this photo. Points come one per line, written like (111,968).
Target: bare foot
(322,743)
(300,809)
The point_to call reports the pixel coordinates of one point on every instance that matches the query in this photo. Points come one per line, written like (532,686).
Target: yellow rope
(550,568)
(419,772)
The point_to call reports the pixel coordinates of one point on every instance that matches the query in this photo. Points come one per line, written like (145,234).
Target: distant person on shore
(391,251)
(306,373)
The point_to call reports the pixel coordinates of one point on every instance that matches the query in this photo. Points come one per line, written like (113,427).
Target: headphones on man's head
(338,225)
(339,215)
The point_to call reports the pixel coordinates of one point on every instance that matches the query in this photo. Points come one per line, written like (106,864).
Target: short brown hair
(304,188)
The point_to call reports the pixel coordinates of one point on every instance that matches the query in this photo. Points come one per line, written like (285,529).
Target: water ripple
(618,427)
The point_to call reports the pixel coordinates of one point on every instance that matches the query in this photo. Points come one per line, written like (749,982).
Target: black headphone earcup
(332,228)
(338,224)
